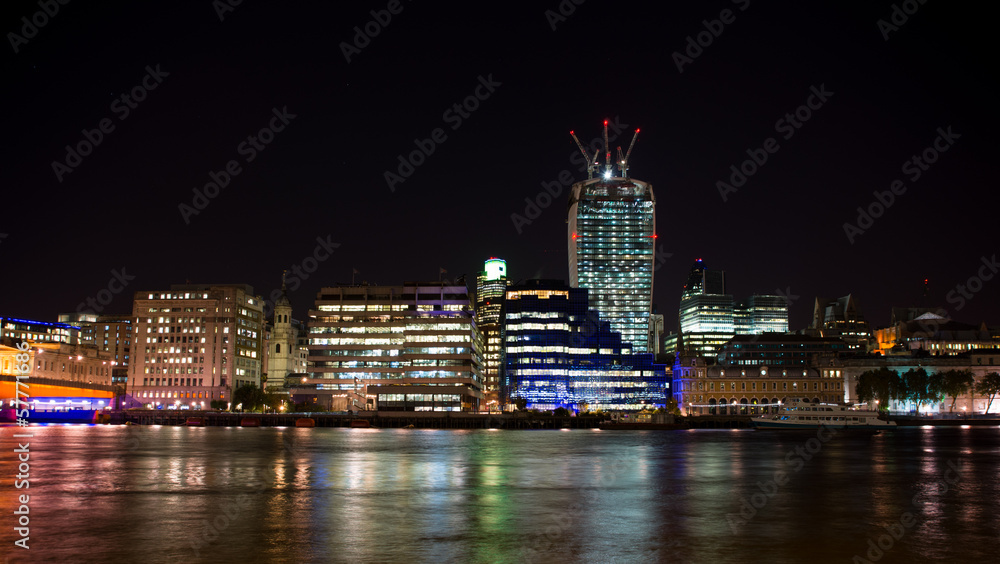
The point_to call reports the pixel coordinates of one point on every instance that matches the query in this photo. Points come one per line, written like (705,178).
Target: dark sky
(323,174)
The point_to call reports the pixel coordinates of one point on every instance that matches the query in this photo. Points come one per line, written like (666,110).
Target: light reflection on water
(174,494)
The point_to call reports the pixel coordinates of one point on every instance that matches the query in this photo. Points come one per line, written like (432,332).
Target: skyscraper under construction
(612,236)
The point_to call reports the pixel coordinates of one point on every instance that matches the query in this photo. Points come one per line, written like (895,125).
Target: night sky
(218,82)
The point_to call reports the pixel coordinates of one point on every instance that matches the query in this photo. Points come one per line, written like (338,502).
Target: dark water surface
(176,494)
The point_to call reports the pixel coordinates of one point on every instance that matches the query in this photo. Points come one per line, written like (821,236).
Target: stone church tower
(283,347)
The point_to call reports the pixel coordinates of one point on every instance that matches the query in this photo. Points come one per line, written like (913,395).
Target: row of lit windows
(173,381)
(538,327)
(176,370)
(395,363)
(176,320)
(177,395)
(396,341)
(536,315)
(420,397)
(184,296)
(689,386)
(337,374)
(173,350)
(394,307)
(554,349)
(362,329)
(73,368)
(582,374)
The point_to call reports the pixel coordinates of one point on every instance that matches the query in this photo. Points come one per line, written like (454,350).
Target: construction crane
(623,161)
(591,163)
(607,153)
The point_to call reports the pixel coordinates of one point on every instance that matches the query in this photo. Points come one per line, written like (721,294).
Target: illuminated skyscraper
(491,284)
(612,232)
(710,317)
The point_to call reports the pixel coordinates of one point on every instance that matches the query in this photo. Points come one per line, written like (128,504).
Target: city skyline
(331,125)
(369,282)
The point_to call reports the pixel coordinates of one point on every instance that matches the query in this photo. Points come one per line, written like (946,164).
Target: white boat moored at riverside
(801,414)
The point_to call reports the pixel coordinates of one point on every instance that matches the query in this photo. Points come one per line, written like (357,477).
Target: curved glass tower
(612,237)
(491,285)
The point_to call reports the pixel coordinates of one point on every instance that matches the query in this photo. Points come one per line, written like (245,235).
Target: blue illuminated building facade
(558,353)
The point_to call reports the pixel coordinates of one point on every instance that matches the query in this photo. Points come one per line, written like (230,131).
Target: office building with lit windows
(39,331)
(107,333)
(761,314)
(491,286)
(558,352)
(709,317)
(413,347)
(194,344)
(612,235)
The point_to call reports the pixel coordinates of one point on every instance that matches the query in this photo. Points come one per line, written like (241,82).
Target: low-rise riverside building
(751,375)
(194,344)
(558,352)
(61,375)
(934,334)
(413,347)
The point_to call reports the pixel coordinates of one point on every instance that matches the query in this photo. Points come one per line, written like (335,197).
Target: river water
(176,494)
